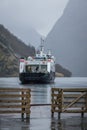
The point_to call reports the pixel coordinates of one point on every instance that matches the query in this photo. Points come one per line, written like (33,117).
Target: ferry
(38,69)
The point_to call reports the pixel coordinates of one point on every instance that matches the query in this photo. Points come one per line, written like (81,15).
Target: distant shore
(59,74)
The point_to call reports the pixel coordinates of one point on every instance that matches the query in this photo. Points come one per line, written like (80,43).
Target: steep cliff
(8,62)
(68,39)
(15,44)
(11,49)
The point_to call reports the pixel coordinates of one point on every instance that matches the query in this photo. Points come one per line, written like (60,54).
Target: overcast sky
(39,14)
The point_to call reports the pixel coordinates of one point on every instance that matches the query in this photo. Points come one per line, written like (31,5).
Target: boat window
(40,58)
(32,68)
(43,67)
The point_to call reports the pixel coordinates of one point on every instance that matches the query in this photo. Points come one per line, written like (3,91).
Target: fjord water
(41,92)
(40,117)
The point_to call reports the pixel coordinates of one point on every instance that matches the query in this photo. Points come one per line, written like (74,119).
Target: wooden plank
(71,95)
(14,101)
(75,105)
(70,89)
(75,90)
(14,111)
(70,100)
(14,90)
(14,106)
(12,95)
(75,111)
(70,111)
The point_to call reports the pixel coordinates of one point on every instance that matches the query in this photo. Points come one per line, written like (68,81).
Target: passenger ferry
(38,69)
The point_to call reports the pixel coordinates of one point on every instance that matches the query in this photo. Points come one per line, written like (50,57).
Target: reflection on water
(75,123)
(40,92)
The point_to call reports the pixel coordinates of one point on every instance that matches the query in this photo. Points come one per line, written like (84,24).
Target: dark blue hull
(37,77)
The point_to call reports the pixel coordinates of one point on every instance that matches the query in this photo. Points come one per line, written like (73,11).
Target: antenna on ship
(42,42)
(41,46)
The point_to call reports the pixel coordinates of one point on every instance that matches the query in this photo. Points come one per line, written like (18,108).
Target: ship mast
(42,47)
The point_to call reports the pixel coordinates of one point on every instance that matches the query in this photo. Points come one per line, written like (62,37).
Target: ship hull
(37,77)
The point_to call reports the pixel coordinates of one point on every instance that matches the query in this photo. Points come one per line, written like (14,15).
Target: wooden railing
(15,100)
(69,100)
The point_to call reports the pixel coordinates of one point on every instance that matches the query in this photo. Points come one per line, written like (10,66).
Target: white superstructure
(38,68)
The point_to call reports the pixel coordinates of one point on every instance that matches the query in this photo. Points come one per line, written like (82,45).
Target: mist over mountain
(28,35)
(68,38)
(17,46)
(11,49)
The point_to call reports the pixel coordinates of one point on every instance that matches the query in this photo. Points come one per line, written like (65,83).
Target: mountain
(62,72)
(68,38)
(8,62)
(29,35)
(18,47)
(11,49)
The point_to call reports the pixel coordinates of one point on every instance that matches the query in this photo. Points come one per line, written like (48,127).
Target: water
(41,93)
(41,116)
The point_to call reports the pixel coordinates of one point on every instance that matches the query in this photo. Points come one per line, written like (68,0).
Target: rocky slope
(11,49)
(15,44)
(8,62)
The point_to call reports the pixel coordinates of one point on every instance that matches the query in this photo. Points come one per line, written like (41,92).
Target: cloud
(39,14)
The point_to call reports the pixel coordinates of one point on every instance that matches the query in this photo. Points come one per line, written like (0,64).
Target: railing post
(52,100)
(28,95)
(60,101)
(23,109)
(86,100)
(57,101)
(82,113)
